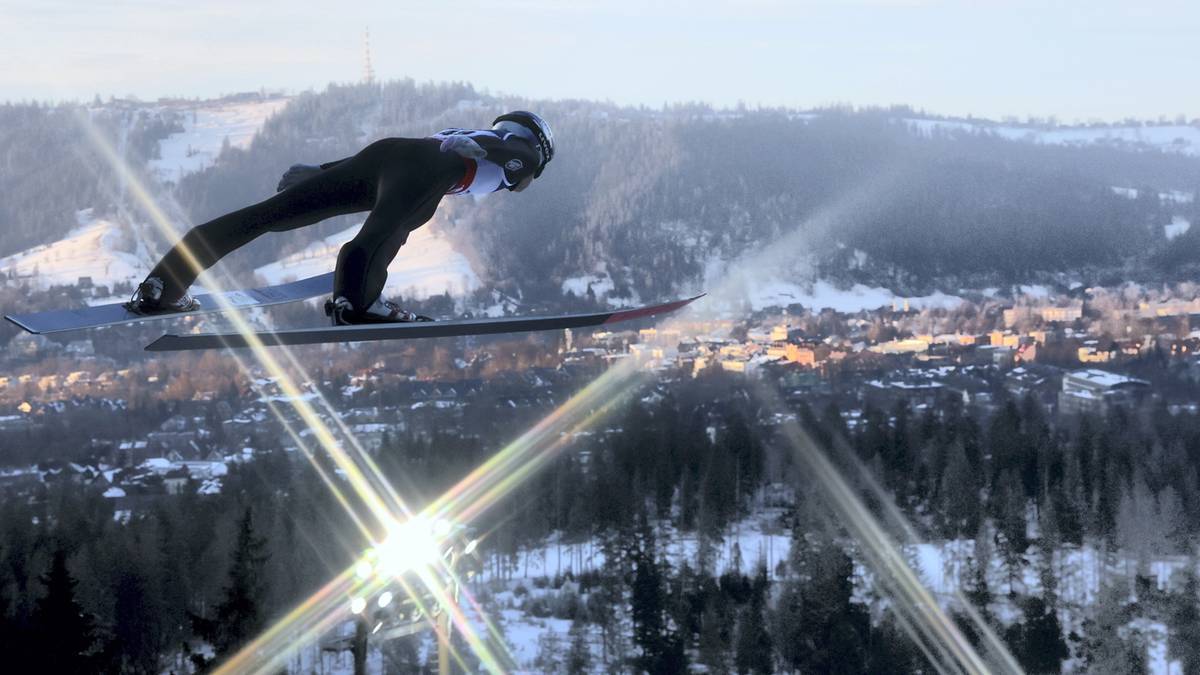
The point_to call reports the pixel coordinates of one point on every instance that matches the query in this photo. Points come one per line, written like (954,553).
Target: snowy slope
(105,250)
(601,284)
(427,265)
(823,294)
(1176,227)
(1179,138)
(98,248)
(207,125)
(762,282)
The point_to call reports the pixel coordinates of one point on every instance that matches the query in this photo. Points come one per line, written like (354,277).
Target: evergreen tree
(898,461)
(601,607)
(959,489)
(661,645)
(891,652)
(1049,544)
(64,635)
(715,634)
(579,656)
(753,645)
(817,625)
(240,614)
(1183,623)
(137,628)
(977,590)
(1071,500)
(1109,647)
(1038,643)
(647,602)
(549,654)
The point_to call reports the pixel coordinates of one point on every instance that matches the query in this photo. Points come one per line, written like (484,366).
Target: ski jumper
(400,181)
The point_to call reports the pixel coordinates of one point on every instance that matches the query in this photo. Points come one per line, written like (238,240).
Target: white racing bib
(483,176)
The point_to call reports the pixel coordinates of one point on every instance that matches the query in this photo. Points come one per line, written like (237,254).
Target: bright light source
(357,605)
(363,570)
(471,547)
(409,545)
(441,528)
(385,599)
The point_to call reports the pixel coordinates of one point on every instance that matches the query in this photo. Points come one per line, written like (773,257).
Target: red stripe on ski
(640,312)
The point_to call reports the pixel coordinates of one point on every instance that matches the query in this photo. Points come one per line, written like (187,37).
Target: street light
(412,546)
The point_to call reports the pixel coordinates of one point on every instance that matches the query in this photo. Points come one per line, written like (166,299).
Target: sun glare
(409,545)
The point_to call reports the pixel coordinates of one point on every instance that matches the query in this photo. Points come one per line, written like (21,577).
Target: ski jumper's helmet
(539,134)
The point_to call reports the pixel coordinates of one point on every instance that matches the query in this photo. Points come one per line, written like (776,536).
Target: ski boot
(381,311)
(148,299)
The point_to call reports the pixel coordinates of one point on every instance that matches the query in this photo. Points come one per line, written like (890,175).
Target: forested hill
(49,169)
(655,197)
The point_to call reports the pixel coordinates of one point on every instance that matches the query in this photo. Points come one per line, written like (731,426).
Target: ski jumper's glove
(464,146)
(295,174)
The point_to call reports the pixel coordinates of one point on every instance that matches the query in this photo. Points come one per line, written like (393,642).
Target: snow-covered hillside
(822,294)
(427,265)
(1080,572)
(107,250)
(98,248)
(207,126)
(1180,138)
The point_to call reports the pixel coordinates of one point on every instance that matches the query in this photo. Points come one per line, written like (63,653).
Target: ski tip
(640,312)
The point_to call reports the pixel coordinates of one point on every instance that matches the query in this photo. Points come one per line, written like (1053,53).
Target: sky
(1076,61)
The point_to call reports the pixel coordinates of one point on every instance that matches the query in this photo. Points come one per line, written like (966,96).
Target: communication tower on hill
(368,69)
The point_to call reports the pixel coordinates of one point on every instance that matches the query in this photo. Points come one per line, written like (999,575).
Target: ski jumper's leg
(348,187)
(410,188)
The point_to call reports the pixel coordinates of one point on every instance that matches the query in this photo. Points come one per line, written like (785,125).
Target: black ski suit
(400,181)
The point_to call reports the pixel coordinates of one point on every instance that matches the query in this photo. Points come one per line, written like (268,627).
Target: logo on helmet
(514,164)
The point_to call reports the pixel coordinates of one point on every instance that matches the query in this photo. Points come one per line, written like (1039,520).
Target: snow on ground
(1156,634)
(822,294)
(98,248)
(207,125)
(940,565)
(1179,138)
(601,284)
(749,543)
(502,305)
(1177,196)
(1177,226)
(523,634)
(1036,291)
(427,265)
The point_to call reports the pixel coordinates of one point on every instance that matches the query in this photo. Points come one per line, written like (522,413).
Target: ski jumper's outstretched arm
(298,173)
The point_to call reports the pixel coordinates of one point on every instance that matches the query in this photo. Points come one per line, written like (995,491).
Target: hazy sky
(1102,59)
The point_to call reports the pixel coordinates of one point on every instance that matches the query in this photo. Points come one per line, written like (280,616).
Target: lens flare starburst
(405,553)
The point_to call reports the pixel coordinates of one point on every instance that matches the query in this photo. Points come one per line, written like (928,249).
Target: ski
(407,331)
(58,320)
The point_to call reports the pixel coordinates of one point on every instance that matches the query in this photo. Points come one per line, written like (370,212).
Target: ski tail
(115,314)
